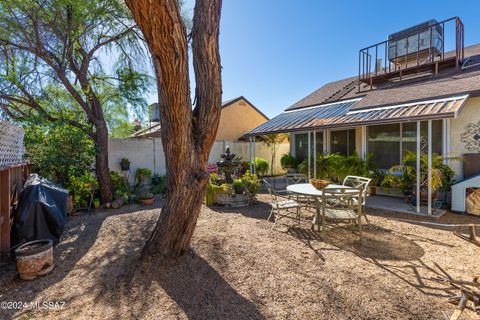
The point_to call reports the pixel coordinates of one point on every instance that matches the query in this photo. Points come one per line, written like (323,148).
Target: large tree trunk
(101,162)
(187,135)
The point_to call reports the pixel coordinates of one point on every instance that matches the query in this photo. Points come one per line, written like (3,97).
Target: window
(301,145)
(384,144)
(388,143)
(410,136)
(343,142)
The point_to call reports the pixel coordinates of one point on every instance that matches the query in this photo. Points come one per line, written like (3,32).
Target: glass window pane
(301,146)
(343,142)
(409,138)
(384,144)
(351,142)
(319,142)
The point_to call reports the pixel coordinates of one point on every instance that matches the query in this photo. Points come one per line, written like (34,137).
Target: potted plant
(125,164)
(288,162)
(96,203)
(146,198)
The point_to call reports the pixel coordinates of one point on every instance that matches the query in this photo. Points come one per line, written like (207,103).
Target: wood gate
(13,173)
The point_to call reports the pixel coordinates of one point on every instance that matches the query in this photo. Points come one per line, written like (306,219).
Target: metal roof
(343,114)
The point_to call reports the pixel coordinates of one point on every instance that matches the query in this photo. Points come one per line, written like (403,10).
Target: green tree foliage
(59,151)
(74,62)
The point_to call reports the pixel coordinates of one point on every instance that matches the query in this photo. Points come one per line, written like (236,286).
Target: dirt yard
(238,268)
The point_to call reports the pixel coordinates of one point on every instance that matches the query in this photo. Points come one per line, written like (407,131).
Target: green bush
(58,151)
(288,161)
(262,166)
(82,188)
(159,183)
(120,185)
(142,175)
(251,182)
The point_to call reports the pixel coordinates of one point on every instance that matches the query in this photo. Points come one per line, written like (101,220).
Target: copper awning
(339,114)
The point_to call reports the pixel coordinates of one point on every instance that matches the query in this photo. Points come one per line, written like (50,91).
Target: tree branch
(206,63)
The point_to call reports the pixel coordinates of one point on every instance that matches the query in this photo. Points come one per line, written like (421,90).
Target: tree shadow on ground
(77,239)
(191,286)
(384,248)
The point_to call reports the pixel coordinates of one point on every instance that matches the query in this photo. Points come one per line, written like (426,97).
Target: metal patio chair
(342,206)
(294,178)
(283,206)
(361,183)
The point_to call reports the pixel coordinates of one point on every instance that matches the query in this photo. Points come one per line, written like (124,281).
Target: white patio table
(307,189)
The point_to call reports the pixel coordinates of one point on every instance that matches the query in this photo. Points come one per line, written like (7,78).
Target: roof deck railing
(422,50)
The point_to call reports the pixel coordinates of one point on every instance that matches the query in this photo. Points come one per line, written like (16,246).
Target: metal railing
(383,58)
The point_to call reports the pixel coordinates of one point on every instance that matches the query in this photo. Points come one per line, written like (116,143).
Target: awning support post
(430,167)
(364,142)
(254,157)
(314,154)
(309,155)
(418,168)
(250,148)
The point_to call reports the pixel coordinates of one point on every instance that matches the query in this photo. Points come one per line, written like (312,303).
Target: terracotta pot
(424,195)
(147,201)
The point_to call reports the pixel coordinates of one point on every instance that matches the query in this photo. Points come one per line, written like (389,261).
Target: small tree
(273,141)
(50,66)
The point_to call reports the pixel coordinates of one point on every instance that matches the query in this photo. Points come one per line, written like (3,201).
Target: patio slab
(398,205)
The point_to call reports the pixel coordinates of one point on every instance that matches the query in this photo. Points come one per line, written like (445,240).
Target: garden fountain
(227,165)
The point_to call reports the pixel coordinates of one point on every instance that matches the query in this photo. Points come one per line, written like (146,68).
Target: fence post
(5,210)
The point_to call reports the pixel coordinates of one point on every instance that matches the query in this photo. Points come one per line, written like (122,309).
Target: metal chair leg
(270,216)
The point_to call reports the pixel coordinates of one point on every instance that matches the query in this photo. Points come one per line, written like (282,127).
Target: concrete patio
(380,202)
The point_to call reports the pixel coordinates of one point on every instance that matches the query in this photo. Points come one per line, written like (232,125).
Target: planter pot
(372,190)
(424,195)
(125,166)
(147,201)
(237,200)
(34,259)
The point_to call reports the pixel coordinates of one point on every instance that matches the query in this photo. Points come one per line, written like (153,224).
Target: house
(409,95)
(238,117)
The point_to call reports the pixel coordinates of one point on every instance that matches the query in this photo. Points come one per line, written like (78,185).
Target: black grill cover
(41,212)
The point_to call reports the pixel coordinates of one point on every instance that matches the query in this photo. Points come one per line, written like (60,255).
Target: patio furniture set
(333,205)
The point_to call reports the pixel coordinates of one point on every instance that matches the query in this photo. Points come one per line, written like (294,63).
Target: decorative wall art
(471,137)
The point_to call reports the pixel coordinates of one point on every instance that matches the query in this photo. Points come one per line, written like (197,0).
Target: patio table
(306,189)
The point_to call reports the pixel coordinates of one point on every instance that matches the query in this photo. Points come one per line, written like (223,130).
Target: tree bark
(187,135)
(101,162)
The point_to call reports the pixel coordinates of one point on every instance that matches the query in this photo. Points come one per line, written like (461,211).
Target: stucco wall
(148,153)
(237,119)
(469,115)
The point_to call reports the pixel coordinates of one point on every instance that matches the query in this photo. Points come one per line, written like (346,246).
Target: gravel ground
(238,268)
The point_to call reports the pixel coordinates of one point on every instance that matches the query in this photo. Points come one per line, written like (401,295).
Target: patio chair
(283,206)
(361,183)
(342,206)
(294,178)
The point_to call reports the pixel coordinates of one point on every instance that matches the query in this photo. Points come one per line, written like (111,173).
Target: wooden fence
(12,179)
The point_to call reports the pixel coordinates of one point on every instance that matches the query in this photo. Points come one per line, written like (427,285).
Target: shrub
(82,189)
(262,166)
(142,175)
(159,183)
(120,185)
(251,182)
(288,161)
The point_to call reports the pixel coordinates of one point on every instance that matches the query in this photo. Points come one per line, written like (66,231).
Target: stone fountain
(227,165)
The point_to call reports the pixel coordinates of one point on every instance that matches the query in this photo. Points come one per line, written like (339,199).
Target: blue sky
(275,52)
